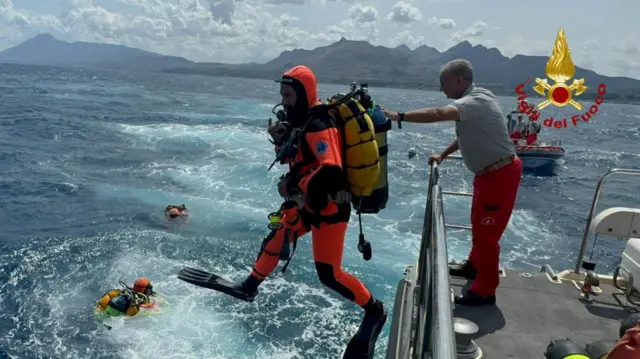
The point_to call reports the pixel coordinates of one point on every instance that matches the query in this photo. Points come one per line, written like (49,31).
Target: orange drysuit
(316,172)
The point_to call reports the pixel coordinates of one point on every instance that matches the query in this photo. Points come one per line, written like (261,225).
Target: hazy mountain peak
(343,61)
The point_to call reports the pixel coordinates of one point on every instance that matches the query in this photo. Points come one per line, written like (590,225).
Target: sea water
(89,159)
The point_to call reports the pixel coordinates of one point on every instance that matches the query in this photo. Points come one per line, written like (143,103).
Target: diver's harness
(287,209)
(133,297)
(289,149)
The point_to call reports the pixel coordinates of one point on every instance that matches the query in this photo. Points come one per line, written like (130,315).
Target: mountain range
(340,62)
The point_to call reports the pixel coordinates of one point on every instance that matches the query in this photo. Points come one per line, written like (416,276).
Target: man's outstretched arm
(425,115)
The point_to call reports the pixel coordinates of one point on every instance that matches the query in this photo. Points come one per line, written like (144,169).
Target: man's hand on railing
(435,158)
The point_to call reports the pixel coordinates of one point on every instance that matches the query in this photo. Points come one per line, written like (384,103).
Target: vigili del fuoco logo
(560,69)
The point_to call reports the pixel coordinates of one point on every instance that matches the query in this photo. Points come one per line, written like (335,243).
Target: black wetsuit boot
(362,344)
(249,286)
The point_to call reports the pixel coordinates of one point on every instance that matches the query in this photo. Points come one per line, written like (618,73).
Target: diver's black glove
(292,184)
(280,132)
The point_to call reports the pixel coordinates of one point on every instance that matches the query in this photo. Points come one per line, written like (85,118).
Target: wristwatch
(400,116)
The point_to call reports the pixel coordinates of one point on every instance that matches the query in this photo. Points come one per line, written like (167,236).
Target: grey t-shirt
(481,129)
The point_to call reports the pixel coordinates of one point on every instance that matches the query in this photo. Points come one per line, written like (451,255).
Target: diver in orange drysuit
(316,173)
(143,285)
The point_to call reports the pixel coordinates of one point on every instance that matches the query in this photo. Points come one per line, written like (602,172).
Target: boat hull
(540,159)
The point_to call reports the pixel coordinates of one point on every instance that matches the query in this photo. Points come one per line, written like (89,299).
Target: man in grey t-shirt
(487,151)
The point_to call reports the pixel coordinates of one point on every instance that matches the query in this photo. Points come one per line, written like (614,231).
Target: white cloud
(288,19)
(626,56)
(447,24)
(363,13)
(628,46)
(353,30)
(404,12)
(218,30)
(258,30)
(623,66)
(406,38)
(361,25)
(516,44)
(583,55)
(477,29)
(222,10)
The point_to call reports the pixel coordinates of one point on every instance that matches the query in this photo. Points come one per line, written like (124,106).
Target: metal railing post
(594,204)
(443,345)
(423,278)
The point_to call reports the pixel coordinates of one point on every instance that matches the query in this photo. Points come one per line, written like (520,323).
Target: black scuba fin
(211,281)
(362,344)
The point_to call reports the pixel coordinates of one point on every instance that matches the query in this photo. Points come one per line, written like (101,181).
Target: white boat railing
(422,326)
(550,143)
(594,204)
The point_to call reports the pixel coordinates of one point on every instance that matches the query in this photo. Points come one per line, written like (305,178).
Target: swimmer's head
(142,285)
(174,212)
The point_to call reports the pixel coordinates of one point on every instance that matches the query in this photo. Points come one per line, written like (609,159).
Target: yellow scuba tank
(105,304)
(365,157)
(106,298)
(378,198)
(361,150)
(365,125)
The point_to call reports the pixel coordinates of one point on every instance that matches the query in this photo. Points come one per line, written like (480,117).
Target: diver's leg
(285,252)
(270,256)
(289,237)
(293,226)
(497,192)
(328,245)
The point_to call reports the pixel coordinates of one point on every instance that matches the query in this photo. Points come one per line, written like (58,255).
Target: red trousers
(494,195)
(532,138)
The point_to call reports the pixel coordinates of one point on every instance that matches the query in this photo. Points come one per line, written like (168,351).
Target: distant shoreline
(400,85)
(338,63)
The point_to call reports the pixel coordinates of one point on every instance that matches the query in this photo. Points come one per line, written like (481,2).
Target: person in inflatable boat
(127,301)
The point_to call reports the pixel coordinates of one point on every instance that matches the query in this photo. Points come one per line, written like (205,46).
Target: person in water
(174,211)
(487,151)
(127,301)
(316,179)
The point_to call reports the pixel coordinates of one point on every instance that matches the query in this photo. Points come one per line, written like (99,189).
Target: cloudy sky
(603,36)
